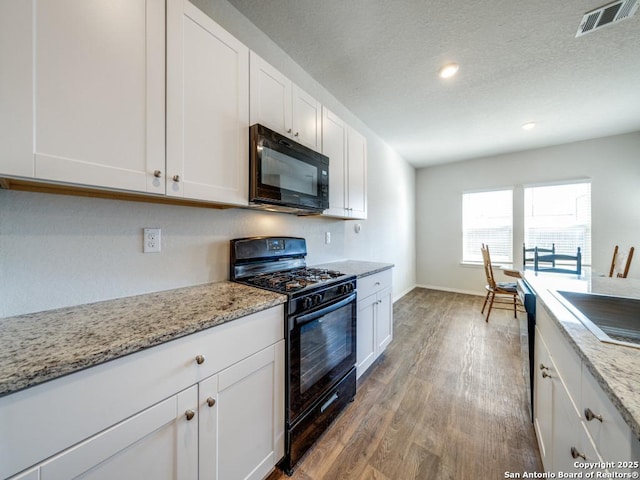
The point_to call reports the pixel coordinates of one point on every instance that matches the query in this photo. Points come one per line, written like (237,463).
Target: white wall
(58,251)
(612,164)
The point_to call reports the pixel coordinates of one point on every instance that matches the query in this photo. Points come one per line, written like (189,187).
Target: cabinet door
(571,443)
(99,92)
(306,119)
(207,108)
(16,93)
(32,474)
(384,320)
(365,339)
(242,435)
(158,443)
(543,404)
(270,95)
(334,145)
(357,174)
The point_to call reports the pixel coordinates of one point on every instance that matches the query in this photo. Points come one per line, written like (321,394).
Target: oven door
(286,173)
(322,350)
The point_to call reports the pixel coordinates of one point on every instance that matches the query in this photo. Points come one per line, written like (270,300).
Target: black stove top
(294,280)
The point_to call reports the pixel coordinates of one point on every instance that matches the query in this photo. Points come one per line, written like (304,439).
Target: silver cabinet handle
(545,375)
(176,178)
(157,173)
(189,414)
(289,131)
(199,359)
(543,367)
(575,453)
(589,415)
(297,134)
(211,401)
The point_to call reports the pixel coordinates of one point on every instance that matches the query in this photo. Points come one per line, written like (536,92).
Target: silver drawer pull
(199,359)
(189,414)
(575,453)
(211,401)
(589,415)
(328,403)
(545,375)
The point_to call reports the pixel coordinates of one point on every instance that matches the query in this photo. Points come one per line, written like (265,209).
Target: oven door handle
(310,317)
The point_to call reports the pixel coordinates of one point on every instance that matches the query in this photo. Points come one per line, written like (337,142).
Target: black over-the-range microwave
(285,175)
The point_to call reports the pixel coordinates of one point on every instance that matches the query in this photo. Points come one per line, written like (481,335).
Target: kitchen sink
(611,319)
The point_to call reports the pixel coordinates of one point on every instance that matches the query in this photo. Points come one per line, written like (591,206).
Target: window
(487,217)
(560,215)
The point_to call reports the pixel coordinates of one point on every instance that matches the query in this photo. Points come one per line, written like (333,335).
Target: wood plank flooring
(447,400)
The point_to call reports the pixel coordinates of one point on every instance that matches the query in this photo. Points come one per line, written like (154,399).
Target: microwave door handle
(310,317)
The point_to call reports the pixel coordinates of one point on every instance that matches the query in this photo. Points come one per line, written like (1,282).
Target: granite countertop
(358,268)
(42,346)
(615,367)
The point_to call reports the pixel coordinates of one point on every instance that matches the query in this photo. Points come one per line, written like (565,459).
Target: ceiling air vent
(607,15)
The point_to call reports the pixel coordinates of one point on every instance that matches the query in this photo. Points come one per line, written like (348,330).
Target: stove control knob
(317,298)
(307,302)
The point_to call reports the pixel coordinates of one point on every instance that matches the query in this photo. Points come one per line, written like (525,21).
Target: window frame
(586,249)
(469,257)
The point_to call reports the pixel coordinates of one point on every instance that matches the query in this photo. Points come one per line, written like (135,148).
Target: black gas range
(320,333)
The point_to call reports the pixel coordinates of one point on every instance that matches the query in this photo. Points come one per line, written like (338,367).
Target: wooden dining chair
(528,253)
(617,260)
(499,294)
(561,263)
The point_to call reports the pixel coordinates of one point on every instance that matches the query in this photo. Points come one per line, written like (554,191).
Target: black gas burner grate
(294,280)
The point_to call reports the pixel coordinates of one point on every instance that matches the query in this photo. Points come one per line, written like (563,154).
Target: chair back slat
(488,269)
(617,260)
(553,258)
(530,258)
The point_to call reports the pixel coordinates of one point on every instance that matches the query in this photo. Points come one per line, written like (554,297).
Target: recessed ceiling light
(529,126)
(449,70)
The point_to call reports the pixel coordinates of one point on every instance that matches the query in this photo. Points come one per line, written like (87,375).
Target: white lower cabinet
(242,418)
(574,420)
(160,443)
(123,420)
(375,318)
(543,399)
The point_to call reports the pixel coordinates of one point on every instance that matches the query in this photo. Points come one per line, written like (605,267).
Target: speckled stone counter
(357,267)
(42,346)
(615,367)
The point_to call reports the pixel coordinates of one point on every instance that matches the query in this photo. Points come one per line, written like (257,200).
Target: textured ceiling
(519,62)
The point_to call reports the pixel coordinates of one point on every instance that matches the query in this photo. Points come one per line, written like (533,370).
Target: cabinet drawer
(567,362)
(612,435)
(372,283)
(40,421)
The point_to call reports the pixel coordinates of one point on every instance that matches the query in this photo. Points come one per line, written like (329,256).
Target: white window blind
(487,217)
(560,215)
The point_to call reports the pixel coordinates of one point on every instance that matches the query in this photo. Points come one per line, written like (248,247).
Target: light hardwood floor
(447,400)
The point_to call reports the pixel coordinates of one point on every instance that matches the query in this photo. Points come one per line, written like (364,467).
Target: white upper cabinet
(84,84)
(357,174)
(307,119)
(347,152)
(282,106)
(207,108)
(334,146)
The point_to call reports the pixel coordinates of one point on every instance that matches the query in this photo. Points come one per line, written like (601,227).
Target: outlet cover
(151,240)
